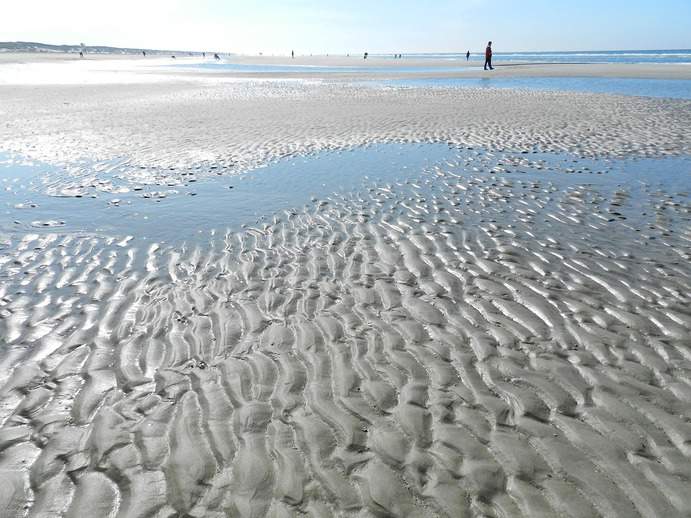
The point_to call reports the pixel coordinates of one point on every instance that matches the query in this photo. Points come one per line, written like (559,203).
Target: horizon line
(447,52)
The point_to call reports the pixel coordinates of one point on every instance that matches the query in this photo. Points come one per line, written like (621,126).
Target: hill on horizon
(30,46)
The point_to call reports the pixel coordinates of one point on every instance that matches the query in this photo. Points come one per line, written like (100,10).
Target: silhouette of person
(467,56)
(366,54)
(216,56)
(292,54)
(81,54)
(144,53)
(488,56)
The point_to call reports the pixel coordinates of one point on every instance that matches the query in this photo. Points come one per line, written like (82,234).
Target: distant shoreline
(47,48)
(559,56)
(158,66)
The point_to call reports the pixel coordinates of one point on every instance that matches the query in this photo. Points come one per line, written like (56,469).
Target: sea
(595,56)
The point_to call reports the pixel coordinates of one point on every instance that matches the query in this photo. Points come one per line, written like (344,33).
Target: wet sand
(466,341)
(181,123)
(474,68)
(381,67)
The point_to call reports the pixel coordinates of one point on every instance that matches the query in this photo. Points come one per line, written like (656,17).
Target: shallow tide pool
(210,205)
(664,88)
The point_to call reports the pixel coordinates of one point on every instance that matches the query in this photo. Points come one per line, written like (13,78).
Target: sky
(352,26)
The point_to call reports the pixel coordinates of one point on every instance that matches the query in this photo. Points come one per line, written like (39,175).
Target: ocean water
(662,88)
(456,61)
(600,56)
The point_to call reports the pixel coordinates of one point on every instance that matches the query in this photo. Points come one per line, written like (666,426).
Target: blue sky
(330,26)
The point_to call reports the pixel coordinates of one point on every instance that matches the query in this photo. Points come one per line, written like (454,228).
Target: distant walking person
(488,56)
(366,54)
(292,54)
(467,56)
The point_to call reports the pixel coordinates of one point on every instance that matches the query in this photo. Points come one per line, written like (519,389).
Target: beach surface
(492,321)
(379,66)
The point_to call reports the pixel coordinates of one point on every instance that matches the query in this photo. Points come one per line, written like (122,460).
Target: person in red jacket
(488,56)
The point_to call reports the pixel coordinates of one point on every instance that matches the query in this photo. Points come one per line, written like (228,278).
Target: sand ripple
(451,346)
(173,132)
